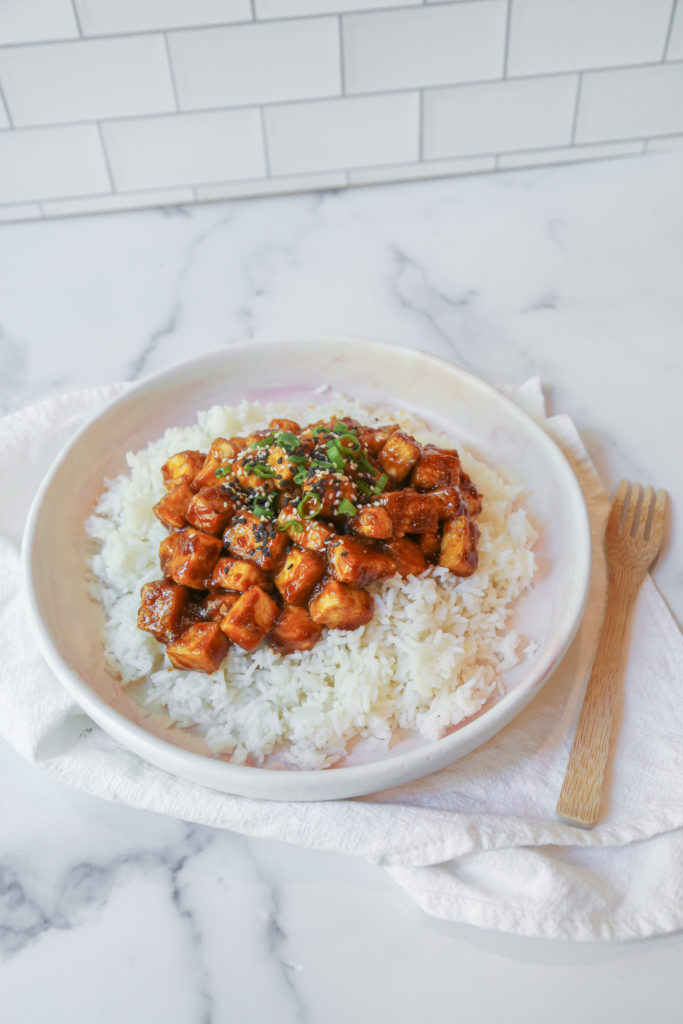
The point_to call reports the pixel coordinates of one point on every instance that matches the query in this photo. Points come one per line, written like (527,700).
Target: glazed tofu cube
(307,533)
(200,647)
(210,510)
(284,470)
(471,498)
(250,618)
(459,546)
(407,556)
(340,607)
(235,574)
(374,438)
(238,443)
(430,546)
(256,540)
(398,456)
(299,574)
(193,558)
(327,491)
(294,630)
(447,502)
(216,605)
(247,477)
(221,454)
(289,426)
(411,512)
(356,562)
(162,604)
(436,467)
(171,510)
(182,468)
(166,549)
(372,521)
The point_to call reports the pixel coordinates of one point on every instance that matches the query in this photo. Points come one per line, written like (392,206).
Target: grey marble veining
(572,273)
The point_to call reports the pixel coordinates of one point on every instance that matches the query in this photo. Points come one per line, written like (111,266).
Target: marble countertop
(570,273)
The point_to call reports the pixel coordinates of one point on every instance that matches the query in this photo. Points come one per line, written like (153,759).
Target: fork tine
(631,508)
(658,515)
(617,509)
(644,512)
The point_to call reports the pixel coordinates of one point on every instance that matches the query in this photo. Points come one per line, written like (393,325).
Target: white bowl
(67,622)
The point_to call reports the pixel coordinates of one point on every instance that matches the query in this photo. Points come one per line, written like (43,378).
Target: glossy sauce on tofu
(274,536)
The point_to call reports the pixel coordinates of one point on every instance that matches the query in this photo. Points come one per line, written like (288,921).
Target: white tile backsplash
(185,149)
(286,184)
(44,163)
(86,80)
(631,102)
(429,169)
(568,154)
(34,21)
(424,46)
(494,117)
(568,35)
(337,134)
(119,104)
(126,201)
(294,8)
(667,142)
(273,61)
(105,17)
(675,48)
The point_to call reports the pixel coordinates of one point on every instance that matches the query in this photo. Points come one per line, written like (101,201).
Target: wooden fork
(632,539)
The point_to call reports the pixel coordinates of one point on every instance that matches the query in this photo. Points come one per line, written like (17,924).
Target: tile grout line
(346,173)
(105,154)
(669,30)
(575,118)
(4,104)
(253,10)
(342,67)
(421,127)
(310,100)
(77,17)
(171,71)
(264,136)
(506,52)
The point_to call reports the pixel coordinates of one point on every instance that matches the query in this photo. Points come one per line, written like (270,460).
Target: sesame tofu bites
(275,536)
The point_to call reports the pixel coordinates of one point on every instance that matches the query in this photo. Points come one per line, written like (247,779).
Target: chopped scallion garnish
(223,471)
(303,508)
(265,472)
(263,442)
(291,524)
(346,508)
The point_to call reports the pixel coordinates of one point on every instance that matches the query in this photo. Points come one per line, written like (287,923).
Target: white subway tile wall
(224,67)
(122,104)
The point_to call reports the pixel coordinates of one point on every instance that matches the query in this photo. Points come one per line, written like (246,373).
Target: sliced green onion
(263,442)
(223,471)
(345,438)
(265,505)
(319,430)
(290,442)
(301,477)
(306,500)
(298,460)
(363,487)
(335,454)
(380,483)
(291,524)
(341,428)
(346,508)
(265,472)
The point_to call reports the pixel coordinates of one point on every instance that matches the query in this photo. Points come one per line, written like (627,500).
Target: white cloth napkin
(477,842)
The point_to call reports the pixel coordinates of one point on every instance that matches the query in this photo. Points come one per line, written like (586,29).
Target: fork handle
(581,792)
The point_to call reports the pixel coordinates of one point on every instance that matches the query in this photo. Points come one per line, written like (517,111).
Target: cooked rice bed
(432,655)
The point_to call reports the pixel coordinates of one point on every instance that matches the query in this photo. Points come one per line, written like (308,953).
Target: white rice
(432,655)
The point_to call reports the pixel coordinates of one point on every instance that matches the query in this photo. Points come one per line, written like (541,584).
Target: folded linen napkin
(477,842)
